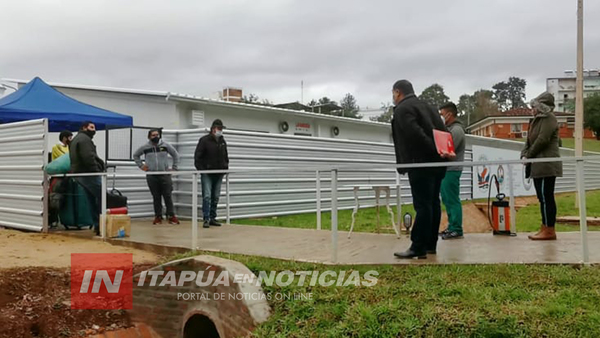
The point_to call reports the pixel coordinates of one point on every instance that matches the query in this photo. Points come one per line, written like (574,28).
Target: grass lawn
(528,219)
(588,144)
(365,220)
(437,301)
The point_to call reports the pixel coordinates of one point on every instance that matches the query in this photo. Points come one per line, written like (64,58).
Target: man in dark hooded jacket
(412,129)
(85,159)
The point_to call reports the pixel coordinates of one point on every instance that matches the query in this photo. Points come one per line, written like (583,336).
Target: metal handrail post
(103,178)
(318,200)
(512,201)
(399,201)
(582,210)
(194,211)
(227,199)
(334,216)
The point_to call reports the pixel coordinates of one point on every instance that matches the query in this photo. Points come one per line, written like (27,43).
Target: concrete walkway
(362,248)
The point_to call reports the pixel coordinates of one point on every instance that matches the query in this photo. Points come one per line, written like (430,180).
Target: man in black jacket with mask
(412,129)
(85,159)
(211,154)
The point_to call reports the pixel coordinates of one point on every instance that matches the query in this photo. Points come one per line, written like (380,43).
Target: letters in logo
(101,281)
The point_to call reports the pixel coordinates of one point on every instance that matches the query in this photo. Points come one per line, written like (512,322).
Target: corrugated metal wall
(269,193)
(22,156)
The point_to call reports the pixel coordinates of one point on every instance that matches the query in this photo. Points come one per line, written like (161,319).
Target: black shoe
(214,223)
(442,233)
(432,252)
(205,225)
(410,254)
(452,235)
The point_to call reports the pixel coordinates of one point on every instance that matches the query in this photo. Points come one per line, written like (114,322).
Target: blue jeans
(93,187)
(211,190)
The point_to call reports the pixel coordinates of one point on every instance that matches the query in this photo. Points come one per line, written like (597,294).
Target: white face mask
(218,133)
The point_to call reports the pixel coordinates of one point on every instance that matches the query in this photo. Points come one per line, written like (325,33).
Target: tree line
(502,96)
(348,105)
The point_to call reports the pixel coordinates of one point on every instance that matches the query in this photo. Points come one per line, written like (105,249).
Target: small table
(378,190)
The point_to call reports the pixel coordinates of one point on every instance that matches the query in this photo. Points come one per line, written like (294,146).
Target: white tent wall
(22,159)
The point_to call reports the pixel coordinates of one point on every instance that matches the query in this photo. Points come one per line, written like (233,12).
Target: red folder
(443,142)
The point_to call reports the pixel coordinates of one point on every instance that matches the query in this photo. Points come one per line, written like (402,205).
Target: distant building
(563,88)
(514,124)
(180,111)
(231,94)
(326,108)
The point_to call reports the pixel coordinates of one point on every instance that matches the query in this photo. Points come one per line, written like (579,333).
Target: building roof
(524,113)
(170,96)
(294,106)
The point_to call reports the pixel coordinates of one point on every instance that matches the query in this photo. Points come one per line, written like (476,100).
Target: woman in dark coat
(543,142)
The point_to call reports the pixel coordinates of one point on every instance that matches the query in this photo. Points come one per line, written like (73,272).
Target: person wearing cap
(156,158)
(211,154)
(62,147)
(543,141)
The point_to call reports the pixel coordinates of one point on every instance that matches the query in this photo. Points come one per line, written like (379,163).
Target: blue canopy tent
(37,100)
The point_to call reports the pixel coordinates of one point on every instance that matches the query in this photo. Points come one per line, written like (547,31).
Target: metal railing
(334,172)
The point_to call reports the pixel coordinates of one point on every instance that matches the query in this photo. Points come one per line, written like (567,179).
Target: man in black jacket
(85,159)
(412,129)
(211,154)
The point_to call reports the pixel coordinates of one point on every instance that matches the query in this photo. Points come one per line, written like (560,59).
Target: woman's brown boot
(539,231)
(546,234)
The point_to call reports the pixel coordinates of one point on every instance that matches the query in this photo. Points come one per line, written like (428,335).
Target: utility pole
(579,84)
(302,91)
(579,93)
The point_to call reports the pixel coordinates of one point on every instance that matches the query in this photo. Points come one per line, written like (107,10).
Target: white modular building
(179,111)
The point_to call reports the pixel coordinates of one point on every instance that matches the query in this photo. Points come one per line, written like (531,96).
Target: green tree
(480,104)
(591,112)
(510,94)
(434,95)
(254,99)
(326,100)
(484,104)
(466,108)
(569,105)
(386,116)
(350,107)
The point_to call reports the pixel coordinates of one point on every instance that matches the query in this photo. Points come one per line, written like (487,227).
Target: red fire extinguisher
(499,211)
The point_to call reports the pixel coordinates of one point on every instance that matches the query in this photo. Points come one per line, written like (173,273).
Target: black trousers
(544,188)
(161,187)
(425,186)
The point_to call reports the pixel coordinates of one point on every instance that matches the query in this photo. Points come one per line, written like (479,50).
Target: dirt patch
(35,286)
(21,249)
(34,302)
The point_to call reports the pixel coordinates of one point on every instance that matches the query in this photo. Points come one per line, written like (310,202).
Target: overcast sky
(268,47)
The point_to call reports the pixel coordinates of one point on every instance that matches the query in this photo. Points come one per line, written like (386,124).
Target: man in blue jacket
(156,158)
(412,129)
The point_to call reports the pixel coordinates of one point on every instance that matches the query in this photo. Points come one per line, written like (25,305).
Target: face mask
(155,139)
(443,119)
(90,133)
(218,133)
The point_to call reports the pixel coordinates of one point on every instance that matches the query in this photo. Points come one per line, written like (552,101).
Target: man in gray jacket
(451,183)
(156,159)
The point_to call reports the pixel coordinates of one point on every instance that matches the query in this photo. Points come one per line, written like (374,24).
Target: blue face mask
(218,133)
